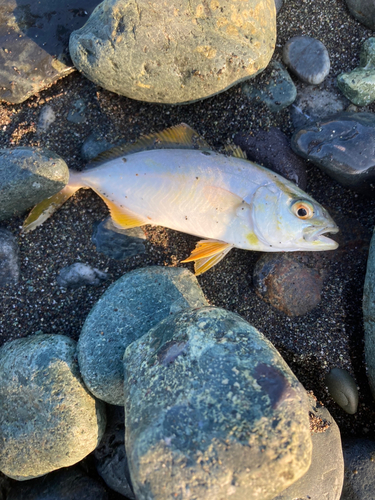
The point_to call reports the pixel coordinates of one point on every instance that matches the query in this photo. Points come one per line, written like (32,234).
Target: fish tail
(43,210)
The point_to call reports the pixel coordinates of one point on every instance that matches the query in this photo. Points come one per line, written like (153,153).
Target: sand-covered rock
(174,52)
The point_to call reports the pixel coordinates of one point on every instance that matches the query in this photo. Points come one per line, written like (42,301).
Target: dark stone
(208,398)
(28,176)
(94,145)
(343,146)
(34,38)
(307,58)
(65,484)
(77,112)
(363,11)
(359,481)
(343,389)
(118,243)
(288,284)
(272,150)
(110,455)
(9,258)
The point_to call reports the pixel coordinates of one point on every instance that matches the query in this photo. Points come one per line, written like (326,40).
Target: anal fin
(207,253)
(123,217)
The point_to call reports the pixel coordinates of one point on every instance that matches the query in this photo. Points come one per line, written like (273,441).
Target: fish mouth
(312,234)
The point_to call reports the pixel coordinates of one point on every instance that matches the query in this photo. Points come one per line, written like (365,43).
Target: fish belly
(187,190)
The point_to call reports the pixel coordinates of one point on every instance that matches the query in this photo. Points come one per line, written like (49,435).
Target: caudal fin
(47,207)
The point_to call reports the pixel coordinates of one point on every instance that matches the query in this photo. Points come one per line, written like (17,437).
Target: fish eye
(303,209)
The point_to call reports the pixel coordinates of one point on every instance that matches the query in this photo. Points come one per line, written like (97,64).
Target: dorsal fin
(236,151)
(178,137)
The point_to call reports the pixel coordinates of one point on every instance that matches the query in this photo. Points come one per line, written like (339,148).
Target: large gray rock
(212,411)
(48,419)
(126,311)
(359,483)
(325,477)
(28,176)
(363,11)
(34,39)
(369,315)
(174,52)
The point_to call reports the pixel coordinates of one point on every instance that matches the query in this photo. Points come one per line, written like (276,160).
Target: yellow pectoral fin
(207,253)
(222,199)
(122,216)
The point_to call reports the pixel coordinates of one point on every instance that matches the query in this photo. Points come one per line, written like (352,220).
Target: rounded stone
(289,285)
(28,176)
(359,481)
(343,389)
(363,11)
(133,48)
(307,58)
(125,312)
(48,419)
(209,399)
(9,258)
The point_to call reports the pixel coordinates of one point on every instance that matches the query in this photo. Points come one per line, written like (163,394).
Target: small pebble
(79,274)
(9,259)
(77,113)
(307,58)
(93,146)
(343,389)
(46,118)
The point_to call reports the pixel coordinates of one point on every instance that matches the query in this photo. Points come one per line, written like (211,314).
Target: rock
(77,112)
(272,150)
(369,316)
(314,104)
(199,49)
(93,146)
(118,243)
(363,11)
(359,85)
(48,420)
(359,482)
(325,476)
(79,274)
(9,259)
(46,118)
(290,283)
(307,58)
(343,146)
(28,176)
(279,91)
(34,39)
(210,403)
(126,311)
(343,389)
(65,484)
(110,456)
(278,5)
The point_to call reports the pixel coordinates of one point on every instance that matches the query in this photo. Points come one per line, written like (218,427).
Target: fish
(174,179)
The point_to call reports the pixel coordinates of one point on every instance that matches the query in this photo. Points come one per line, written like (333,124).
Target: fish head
(285,218)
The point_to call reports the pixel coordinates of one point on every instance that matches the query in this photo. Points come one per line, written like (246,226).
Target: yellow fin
(236,151)
(178,137)
(222,199)
(207,248)
(203,265)
(122,216)
(43,210)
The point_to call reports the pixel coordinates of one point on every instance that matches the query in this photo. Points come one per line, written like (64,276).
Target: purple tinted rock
(343,146)
(307,58)
(290,285)
(9,258)
(34,38)
(272,150)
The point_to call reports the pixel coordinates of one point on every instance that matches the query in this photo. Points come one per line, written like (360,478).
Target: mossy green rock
(126,311)
(174,52)
(369,316)
(28,176)
(212,411)
(48,419)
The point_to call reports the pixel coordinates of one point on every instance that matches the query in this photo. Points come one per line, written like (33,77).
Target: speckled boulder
(174,52)
(126,311)
(28,176)
(212,411)
(48,419)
